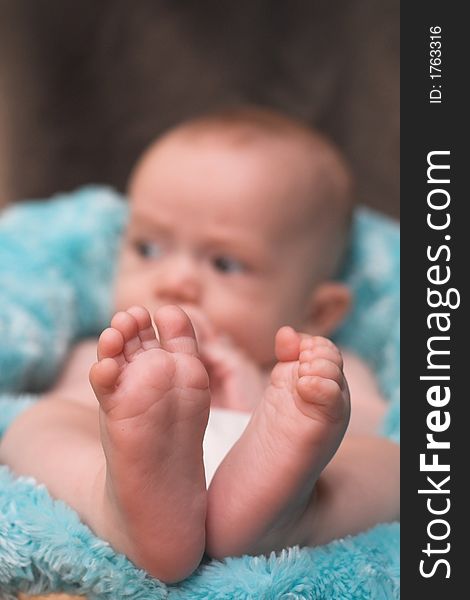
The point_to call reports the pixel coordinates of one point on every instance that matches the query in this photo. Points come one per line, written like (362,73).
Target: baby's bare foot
(264,485)
(154,405)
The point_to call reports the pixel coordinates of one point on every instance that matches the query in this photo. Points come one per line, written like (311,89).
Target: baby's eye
(149,249)
(226,264)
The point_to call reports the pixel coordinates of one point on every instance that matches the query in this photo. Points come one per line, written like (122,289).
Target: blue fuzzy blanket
(56,272)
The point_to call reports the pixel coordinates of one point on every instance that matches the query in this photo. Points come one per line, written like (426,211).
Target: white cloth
(223,430)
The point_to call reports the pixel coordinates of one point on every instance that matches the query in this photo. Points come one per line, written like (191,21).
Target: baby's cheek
(246,319)
(257,339)
(128,282)
(263,330)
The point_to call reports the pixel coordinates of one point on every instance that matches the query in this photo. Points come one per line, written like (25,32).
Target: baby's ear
(330,302)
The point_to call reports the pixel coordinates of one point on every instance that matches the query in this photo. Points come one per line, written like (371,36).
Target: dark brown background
(86,84)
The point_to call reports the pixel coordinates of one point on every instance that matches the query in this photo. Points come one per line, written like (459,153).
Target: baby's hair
(247,123)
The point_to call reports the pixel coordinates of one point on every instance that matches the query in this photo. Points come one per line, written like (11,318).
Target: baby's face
(218,230)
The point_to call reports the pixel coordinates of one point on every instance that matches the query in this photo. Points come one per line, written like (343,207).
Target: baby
(238,222)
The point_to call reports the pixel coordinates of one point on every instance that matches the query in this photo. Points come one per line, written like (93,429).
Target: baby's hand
(236,382)
(202,326)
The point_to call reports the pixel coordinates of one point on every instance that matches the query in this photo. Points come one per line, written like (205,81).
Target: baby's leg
(269,493)
(141,486)
(358,489)
(58,443)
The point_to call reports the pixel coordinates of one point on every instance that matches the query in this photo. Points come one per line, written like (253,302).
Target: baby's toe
(104,373)
(127,325)
(175,330)
(145,330)
(321,385)
(320,366)
(322,398)
(111,345)
(103,377)
(287,344)
(321,347)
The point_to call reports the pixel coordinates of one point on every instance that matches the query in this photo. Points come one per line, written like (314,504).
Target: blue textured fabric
(56,271)
(56,267)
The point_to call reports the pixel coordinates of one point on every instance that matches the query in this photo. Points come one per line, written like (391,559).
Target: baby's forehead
(280,151)
(299,173)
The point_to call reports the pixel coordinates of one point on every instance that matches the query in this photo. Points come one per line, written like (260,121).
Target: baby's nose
(179,281)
